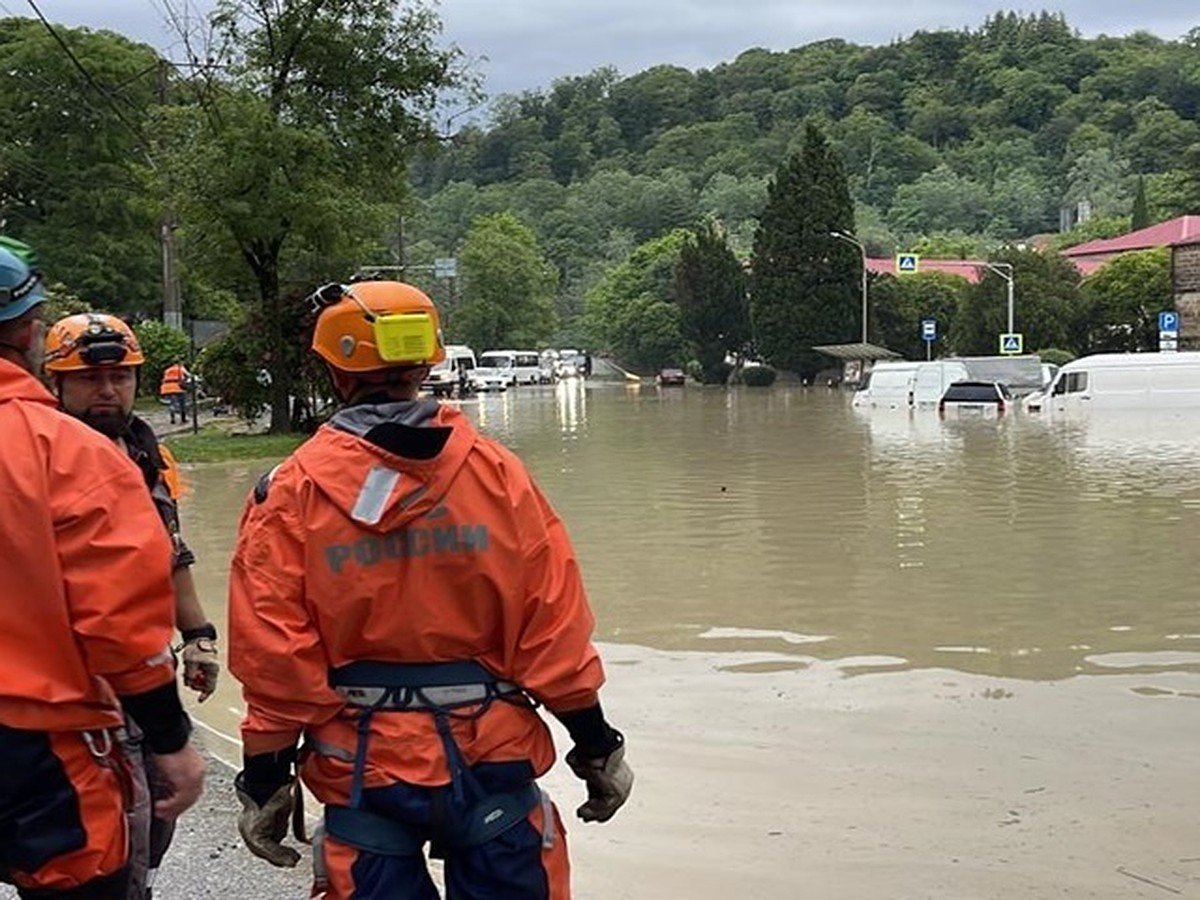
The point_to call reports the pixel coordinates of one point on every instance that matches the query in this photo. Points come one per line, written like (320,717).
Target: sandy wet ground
(926,784)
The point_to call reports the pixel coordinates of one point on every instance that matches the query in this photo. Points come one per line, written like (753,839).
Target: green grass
(214,444)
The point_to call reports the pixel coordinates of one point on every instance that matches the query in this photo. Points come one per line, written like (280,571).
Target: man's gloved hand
(263,827)
(609,781)
(201,666)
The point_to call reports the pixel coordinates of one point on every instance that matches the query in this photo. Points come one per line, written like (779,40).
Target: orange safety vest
(355,554)
(87,607)
(172,380)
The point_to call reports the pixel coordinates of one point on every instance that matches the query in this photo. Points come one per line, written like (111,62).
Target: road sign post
(1012,343)
(929,335)
(1168,331)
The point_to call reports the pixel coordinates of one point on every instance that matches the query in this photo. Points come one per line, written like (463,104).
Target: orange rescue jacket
(86,602)
(356,554)
(173,378)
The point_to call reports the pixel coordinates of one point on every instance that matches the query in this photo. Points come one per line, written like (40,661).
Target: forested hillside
(953,142)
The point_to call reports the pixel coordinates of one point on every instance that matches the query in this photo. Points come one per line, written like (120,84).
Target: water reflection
(784,522)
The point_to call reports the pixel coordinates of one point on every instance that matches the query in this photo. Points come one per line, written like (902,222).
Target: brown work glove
(609,781)
(263,827)
(201,666)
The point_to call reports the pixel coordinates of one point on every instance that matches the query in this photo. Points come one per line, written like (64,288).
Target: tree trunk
(264,260)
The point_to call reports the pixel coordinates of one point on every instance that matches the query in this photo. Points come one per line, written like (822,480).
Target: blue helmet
(20,286)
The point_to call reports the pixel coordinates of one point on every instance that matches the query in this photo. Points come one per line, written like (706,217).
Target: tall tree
(1122,300)
(804,282)
(710,288)
(296,154)
(71,158)
(508,287)
(1140,216)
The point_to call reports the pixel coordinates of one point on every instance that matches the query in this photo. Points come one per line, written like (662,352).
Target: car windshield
(972,393)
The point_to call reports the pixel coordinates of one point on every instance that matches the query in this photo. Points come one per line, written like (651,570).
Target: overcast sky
(526,44)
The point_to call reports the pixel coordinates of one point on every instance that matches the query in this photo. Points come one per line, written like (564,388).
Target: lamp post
(1005,271)
(851,239)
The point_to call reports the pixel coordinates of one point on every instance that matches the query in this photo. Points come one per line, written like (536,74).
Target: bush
(161,345)
(1056,356)
(758,376)
(716,374)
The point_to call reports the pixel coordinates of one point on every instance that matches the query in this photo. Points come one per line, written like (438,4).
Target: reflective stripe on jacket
(355,553)
(86,602)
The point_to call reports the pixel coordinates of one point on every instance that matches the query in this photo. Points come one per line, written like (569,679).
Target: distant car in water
(671,378)
(986,399)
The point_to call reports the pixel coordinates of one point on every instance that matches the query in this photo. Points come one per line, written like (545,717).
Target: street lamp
(1005,271)
(851,239)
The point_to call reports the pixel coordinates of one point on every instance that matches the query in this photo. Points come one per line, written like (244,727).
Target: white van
(931,380)
(452,374)
(888,386)
(527,367)
(1125,381)
(496,371)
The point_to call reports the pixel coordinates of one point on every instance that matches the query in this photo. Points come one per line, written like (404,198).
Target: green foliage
(508,287)
(1055,356)
(710,288)
(758,376)
(70,179)
(632,313)
(1046,311)
(1121,302)
(898,305)
(805,283)
(162,345)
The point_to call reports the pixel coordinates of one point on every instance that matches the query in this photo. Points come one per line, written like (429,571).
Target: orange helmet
(89,340)
(372,325)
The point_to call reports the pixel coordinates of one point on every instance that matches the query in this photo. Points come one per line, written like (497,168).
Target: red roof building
(1179,232)
(970,269)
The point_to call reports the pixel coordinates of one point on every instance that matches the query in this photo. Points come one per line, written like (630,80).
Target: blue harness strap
(406,687)
(377,834)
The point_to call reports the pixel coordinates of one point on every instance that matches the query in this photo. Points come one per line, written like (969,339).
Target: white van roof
(1132,360)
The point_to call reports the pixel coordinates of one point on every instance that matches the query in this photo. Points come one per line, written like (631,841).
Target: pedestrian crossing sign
(1012,343)
(907,263)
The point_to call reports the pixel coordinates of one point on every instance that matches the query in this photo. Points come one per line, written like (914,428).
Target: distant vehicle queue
(462,373)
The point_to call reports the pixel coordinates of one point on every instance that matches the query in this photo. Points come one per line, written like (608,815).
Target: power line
(87,76)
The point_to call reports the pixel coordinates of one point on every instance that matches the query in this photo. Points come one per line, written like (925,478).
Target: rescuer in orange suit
(173,389)
(94,361)
(402,596)
(86,615)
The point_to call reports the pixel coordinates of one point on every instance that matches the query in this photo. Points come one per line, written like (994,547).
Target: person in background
(86,614)
(402,596)
(173,389)
(93,361)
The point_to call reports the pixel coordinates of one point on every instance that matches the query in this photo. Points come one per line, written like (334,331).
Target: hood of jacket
(18,384)
(387,464)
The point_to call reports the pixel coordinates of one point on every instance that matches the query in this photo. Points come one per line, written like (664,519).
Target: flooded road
(862,654)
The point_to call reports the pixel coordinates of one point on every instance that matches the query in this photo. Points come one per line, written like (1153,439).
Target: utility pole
(172,305)
(1005,271)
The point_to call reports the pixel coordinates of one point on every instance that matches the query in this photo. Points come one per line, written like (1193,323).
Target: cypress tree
(1140,217)
(710,287)
(805,283)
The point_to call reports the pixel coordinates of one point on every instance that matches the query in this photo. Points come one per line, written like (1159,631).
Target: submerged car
(988,399)
(672,378)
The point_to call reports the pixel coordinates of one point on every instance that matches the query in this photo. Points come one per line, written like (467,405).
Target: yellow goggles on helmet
(405,337)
